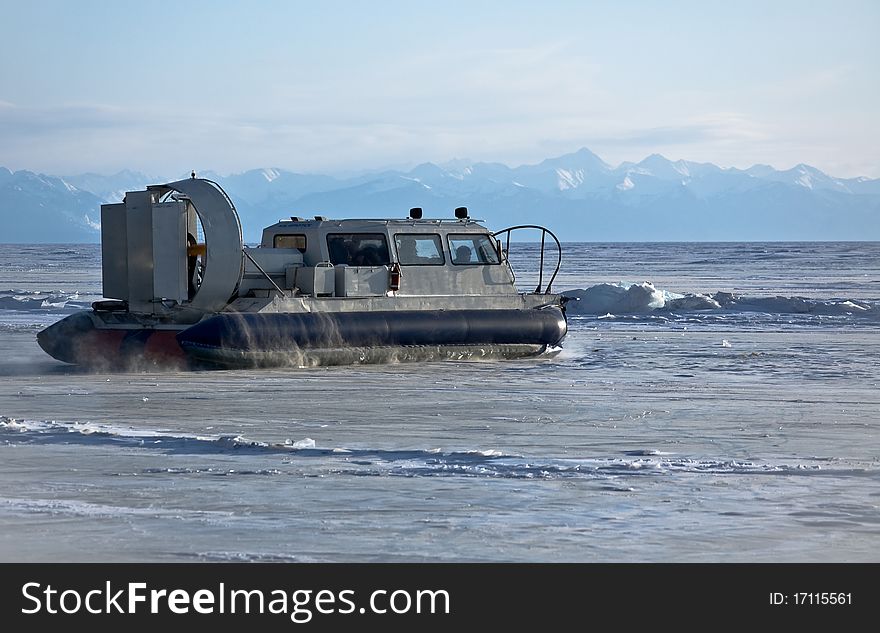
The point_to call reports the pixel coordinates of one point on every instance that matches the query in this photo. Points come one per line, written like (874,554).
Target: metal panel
(302,277)
(290,276)
(139,231)
(319,281)
(361,281)
(272,260)
(325,280)
(169,251)
(114,256)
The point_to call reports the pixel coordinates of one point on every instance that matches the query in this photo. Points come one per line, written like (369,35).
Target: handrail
(544,232)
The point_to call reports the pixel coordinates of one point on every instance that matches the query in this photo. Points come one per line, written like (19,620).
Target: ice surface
(646,439)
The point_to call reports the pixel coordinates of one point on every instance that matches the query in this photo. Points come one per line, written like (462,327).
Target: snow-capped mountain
(809,178)
(578,195)
(580,171)
(259,185)
(112,188)
(40,208)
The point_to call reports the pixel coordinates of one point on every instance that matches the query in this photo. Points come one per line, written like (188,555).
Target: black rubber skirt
(240,335)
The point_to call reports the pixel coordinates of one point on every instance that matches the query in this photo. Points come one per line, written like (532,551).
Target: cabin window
(419,250)
(472,249)
(290,241)
(358,249)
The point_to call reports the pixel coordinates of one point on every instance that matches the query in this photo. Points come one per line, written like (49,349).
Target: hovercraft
(181,289)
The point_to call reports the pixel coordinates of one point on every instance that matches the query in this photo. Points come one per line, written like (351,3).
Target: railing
(544,233)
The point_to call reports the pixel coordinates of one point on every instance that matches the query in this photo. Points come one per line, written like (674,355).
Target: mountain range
(578,196)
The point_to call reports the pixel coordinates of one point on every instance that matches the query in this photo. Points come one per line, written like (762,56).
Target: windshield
(472,249)
(358,249)
(419,250)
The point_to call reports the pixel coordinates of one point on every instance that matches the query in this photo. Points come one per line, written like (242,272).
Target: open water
(712,403)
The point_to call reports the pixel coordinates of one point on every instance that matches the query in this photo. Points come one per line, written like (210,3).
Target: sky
(333,87)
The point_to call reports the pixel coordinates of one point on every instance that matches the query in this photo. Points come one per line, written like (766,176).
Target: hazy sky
(164,87)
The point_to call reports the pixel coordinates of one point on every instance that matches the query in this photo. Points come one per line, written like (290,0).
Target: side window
(290,241)
(358,249)
(472,249)
(419,250)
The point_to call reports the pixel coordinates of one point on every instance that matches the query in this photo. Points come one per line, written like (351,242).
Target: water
(668,429)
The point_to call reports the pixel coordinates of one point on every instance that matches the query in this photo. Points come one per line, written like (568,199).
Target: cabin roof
(323,221)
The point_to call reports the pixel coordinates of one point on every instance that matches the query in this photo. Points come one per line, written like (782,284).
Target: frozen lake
(663,431)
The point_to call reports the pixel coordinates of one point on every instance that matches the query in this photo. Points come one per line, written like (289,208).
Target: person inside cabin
(367,256)
(406,251)
(463,255)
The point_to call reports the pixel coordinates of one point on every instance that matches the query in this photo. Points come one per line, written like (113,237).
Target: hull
(83,339)
(313,338)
